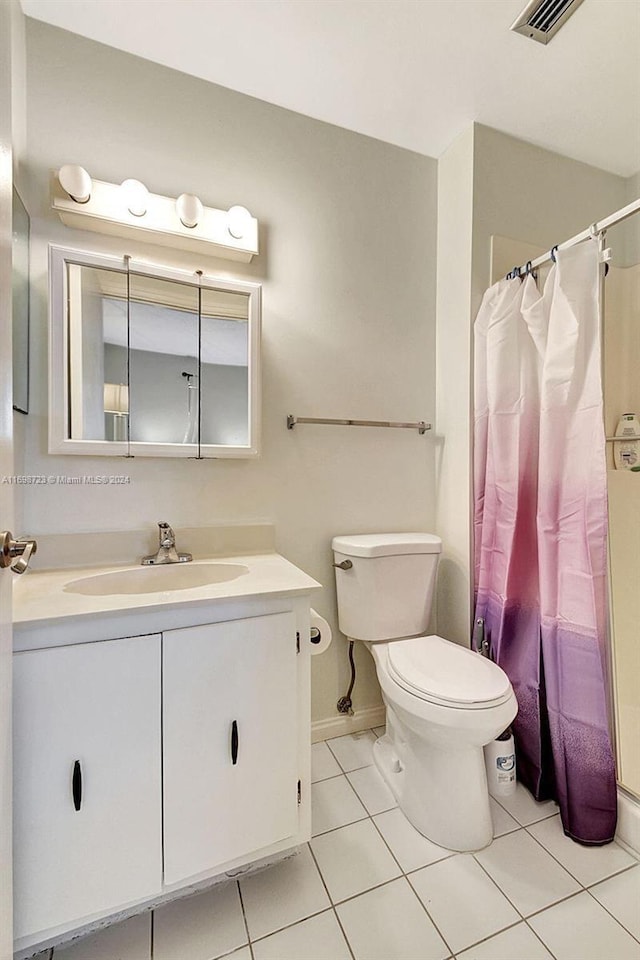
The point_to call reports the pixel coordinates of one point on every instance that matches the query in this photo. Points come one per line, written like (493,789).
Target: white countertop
(40,598)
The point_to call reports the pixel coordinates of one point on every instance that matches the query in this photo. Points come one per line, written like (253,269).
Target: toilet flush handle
(344,565)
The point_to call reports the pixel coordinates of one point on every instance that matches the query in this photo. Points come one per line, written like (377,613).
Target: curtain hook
(553,253)
(593,230)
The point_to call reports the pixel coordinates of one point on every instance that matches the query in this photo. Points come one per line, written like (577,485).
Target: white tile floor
(369,887)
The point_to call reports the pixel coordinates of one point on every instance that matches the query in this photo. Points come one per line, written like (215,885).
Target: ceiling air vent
(541,19)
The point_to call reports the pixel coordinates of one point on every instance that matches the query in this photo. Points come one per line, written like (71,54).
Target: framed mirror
(20,304)
(147,360)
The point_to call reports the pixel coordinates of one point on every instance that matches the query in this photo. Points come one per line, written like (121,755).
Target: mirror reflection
(163,360)
(154,360)
(98,376)
(224,368)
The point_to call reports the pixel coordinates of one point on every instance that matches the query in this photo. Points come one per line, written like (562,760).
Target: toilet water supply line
(344,704)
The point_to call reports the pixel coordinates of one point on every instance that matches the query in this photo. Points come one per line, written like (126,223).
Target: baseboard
(628,832)
(340,725)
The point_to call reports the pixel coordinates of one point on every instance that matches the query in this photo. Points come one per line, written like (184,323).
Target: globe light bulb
(135,196)
(238,221)
(76,182)
(189,208)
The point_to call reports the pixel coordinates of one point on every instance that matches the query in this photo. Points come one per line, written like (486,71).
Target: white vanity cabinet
(153,765)
(87,810)
(230,737)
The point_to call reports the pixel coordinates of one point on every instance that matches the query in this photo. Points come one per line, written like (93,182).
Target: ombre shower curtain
(540,530)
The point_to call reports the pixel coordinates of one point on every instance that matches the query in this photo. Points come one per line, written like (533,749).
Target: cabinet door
(87,794)
(230,741)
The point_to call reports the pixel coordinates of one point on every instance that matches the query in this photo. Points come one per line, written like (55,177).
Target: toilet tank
(388,590)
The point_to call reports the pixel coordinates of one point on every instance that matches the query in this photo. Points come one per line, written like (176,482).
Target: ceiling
(411,72)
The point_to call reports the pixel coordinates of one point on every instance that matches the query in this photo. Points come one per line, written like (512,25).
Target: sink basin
(161,579)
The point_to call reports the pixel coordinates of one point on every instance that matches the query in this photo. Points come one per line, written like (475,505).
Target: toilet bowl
(444,702)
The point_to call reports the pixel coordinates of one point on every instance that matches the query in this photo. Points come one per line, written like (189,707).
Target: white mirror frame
(59,417)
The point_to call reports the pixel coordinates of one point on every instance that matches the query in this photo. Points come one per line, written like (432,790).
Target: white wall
(633,225)
(348,231)
(453,404)
(531,194)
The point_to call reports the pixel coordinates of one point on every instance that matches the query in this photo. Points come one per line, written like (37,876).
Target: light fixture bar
(107,212)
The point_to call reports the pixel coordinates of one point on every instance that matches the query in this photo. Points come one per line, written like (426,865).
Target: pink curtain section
(540,530)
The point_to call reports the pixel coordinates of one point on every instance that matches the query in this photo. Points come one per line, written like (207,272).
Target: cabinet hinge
(299,792)
(297,642)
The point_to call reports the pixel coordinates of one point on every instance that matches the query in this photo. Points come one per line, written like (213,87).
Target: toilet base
(442,792)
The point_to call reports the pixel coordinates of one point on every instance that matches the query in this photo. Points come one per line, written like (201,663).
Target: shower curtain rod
(592,231)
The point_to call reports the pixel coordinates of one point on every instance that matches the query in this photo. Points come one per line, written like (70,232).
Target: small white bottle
(500,761)
(626,454)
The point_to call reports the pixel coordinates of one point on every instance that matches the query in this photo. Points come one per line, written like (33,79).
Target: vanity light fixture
(238,221)
(76,182)
(136,197)
(189,208)
(129,210)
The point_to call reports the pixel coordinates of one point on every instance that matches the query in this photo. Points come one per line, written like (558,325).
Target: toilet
(444,702)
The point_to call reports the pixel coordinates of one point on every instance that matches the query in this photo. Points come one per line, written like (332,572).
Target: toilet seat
(446,673)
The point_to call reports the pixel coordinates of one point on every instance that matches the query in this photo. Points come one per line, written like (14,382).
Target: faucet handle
(10,549)
(165,533)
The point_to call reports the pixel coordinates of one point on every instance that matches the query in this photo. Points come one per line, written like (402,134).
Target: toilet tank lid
(386,544)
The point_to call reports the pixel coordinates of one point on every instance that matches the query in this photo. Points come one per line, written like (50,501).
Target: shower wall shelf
(628,439)
(418,425)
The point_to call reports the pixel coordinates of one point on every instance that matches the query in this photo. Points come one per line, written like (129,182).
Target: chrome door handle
(11,549)
(343,565)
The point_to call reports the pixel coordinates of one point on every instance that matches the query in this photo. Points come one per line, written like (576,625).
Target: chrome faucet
(167,552)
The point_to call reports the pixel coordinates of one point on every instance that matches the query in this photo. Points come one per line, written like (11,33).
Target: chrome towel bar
(419,425)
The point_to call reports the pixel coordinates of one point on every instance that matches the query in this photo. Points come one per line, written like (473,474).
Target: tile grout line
(244,917)
(495,882)
(294,923)
(315,836)
(520,826)
(424,907)
(539,938)
(626,869)
(333,776)
(519,912)
(405,876)
(335,912)
(531,824)
(536,913)
(335,756)
(553,857)
(497,933)
(567,870)
(606,909)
